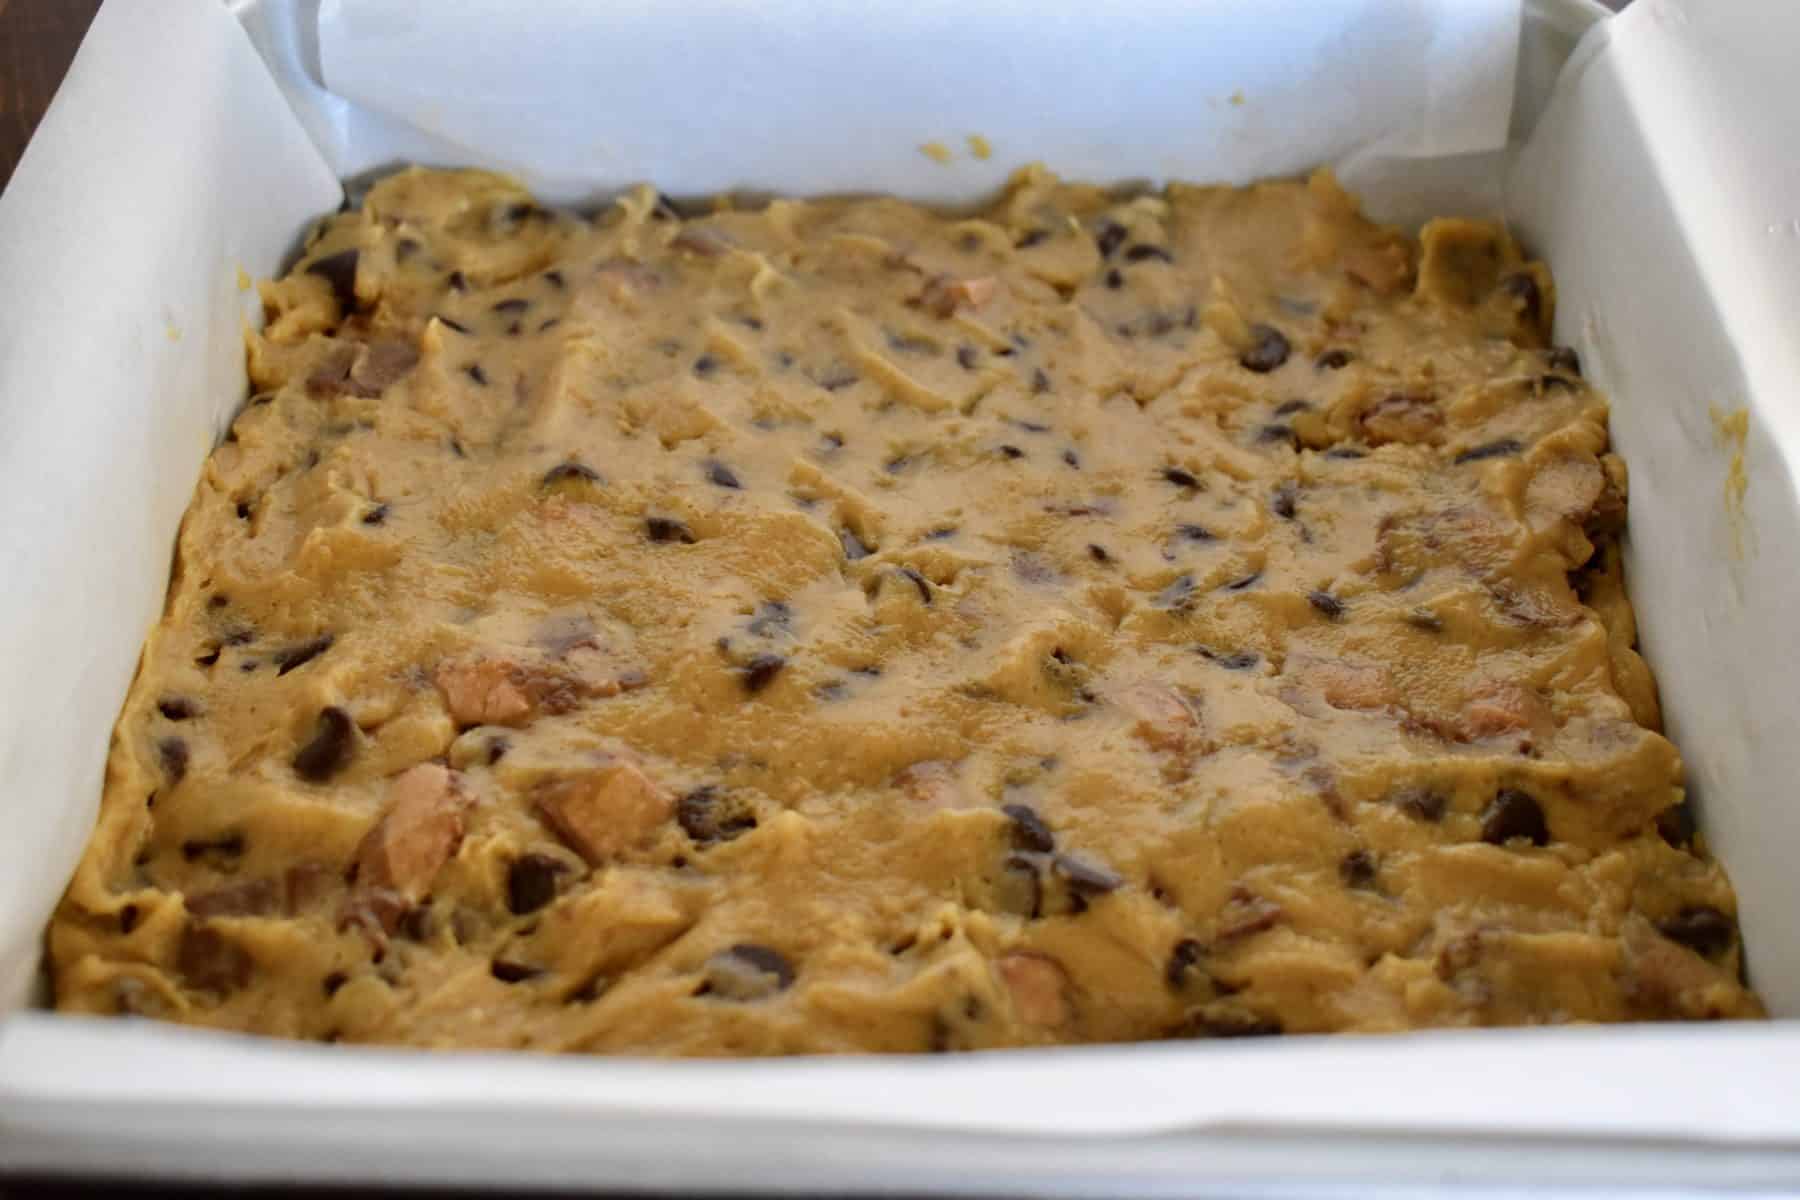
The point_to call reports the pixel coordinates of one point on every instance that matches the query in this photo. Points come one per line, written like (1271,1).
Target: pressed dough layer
(845,626)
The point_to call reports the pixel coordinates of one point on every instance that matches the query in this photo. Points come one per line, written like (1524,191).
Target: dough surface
(842,626)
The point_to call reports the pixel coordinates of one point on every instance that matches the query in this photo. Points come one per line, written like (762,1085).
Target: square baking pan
(1648,158)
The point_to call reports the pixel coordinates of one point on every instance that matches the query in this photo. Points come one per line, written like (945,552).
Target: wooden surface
(37,40)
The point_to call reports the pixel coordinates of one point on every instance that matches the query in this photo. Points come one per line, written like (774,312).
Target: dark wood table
(38,38)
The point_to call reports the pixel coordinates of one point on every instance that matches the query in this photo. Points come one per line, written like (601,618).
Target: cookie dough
(843,626)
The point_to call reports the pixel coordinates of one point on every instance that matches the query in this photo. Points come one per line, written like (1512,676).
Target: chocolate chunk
(919,581)
(531,882)
(853,545)
(1030,238)
(1277,432)
(1108,237)
(569,472)
(1357,869)
(1072,459)
(1289,407)
(332,982)
(1028,829)
(721,475)
(339,270)
(1268,350)
(1499,448)
(1425,619)
(1701,928)
(1040,381)
(210,962)
(1115,280)
(1326,603)
(1180,477)
(1177,594)
(1556,383)
(838,379)
(1421,804)
(456,448)
(456,325)
(1676,825)
(1088,878)
(376,515)
(298,656)
(967,357)
(667,529)
(1513,814)
(507,971)
(760,671)
(771,618)
(1098,553)
(517,304)
(176,708)
(1345,452)
(1282,503)
(1142,253)
(1237,660)
(666,209)
(943,534)
(1248,581)
(243,511)
(172,752)
(1012,452)
(1021,891)
(1333,360)
(474,371)
(1196,533)
(705,365)
(1563,358)
(405,248)
(458,282)
(1524,289)
(707,816)
(555,279)
(333,742)
(1184,960)
(207,659)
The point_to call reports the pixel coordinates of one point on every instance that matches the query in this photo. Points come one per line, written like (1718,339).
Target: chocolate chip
(1098,553)
(1180,477)
(1357,869)
(555,279)
(1268,350)
(853,545)
(705,365)
(707,816)
(531,882)
(721,475)
(497,748)
(339,270)
(512,972)
(1333,360)
(897,464)
(329,751)
(1701,928)
(1030,238)
(1676,825)
(1072,459)
(1344,452)
(1142,253)
(172,752)
(226,846)
(748,971)
(456,448)
(919,581)
(1088,878)
(1040,381)
(1563,358)
(1326,603)
(332,982)
(458,282)
(517,304)
(1524,289)
(837,380)
(207,659)
(456,325)
(1115,280)
(1422,804)
(1282,503)
(1028,829)
(1248,581)
(1237,660)
(569,472)
(176,708)
(1177,594)
(1031,426)
(243,511)
(1513,814)
(967,357)
(1183,960)
(1499,448)
(760,671)
(1277,432)
(1290,407)
(298,656)
(474,371)
(376,515)
(1012,452)
(405,248)
(1108,237)
(667,529)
